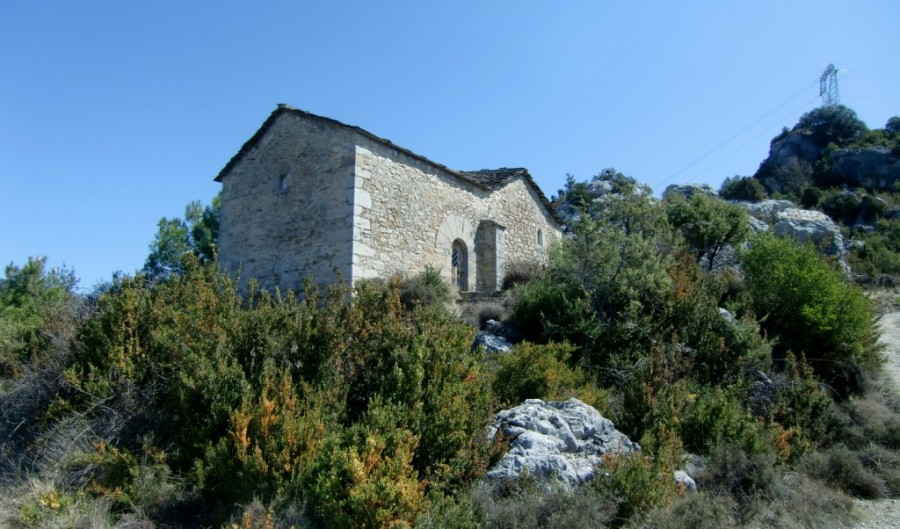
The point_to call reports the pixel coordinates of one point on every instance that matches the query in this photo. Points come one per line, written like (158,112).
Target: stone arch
(455,228)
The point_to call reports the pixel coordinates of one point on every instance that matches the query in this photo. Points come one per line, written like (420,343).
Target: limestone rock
(683,479)
(798,144)
(564,440)
(727,316)
(871,167)
(495,327)
(790,156)
(764,210)
(757,225)
(689,190)
(813,226)
(491,343)
(803,225)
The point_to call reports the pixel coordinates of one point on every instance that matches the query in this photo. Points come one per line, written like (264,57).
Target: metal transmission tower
(828,87)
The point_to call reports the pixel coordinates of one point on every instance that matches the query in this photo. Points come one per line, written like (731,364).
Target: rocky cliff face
(870,167)
(798,145)
(798,160)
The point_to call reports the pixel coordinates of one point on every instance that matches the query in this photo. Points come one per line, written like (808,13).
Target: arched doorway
(459,265)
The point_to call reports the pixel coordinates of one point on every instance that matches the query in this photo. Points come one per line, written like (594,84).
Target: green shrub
(37,306)
(542,372)
(519,273)
(247,393)
(716,418)
(654,395)
(363,476)
(831,124)
(550,310)
(637,483)
(743,188)
(880,253)
(454,512)
(718,349)
(708,225)
(600,291)
(811,309)
(811,197)
(426,289)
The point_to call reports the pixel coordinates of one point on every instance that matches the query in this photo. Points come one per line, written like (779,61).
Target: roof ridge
(487,179)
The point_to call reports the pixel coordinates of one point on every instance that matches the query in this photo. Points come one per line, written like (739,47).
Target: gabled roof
(488,179)
(494,179)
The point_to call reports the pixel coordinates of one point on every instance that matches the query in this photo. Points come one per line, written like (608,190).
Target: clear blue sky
(114,114)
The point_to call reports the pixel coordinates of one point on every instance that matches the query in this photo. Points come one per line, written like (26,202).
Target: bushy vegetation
(171,398)
(197,234)
(812,309)
(37,308)
(831,124)
(743,188)
(708,225)
(350,404)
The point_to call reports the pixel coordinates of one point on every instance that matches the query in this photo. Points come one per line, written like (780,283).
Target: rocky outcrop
(811,226)
(563,440)
(491,343)
(800,145)
(757,225)
(765,210)
(689,190)
(790,163)
(794,156)
(685,481)
(871,167)
(727,316)
(786,220)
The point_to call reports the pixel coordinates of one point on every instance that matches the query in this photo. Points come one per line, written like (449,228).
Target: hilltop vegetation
(831,161)
(169,398)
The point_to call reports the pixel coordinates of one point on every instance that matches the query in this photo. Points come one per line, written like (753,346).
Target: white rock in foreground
(564,440)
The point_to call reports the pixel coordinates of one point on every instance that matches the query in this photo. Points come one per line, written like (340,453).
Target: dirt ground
(884,513)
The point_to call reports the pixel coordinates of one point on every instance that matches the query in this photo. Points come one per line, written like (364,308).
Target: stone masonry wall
(409,212)
(287,209)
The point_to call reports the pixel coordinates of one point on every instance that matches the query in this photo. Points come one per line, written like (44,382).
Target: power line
(793,112)
(804,89)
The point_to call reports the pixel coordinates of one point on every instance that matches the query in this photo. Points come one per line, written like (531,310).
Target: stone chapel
(308,196)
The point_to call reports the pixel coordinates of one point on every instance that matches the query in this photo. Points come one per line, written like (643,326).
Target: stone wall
(286,206)
(408,213)
(308,197)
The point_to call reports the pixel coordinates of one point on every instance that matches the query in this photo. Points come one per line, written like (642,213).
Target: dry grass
(36,502)
(477,313)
